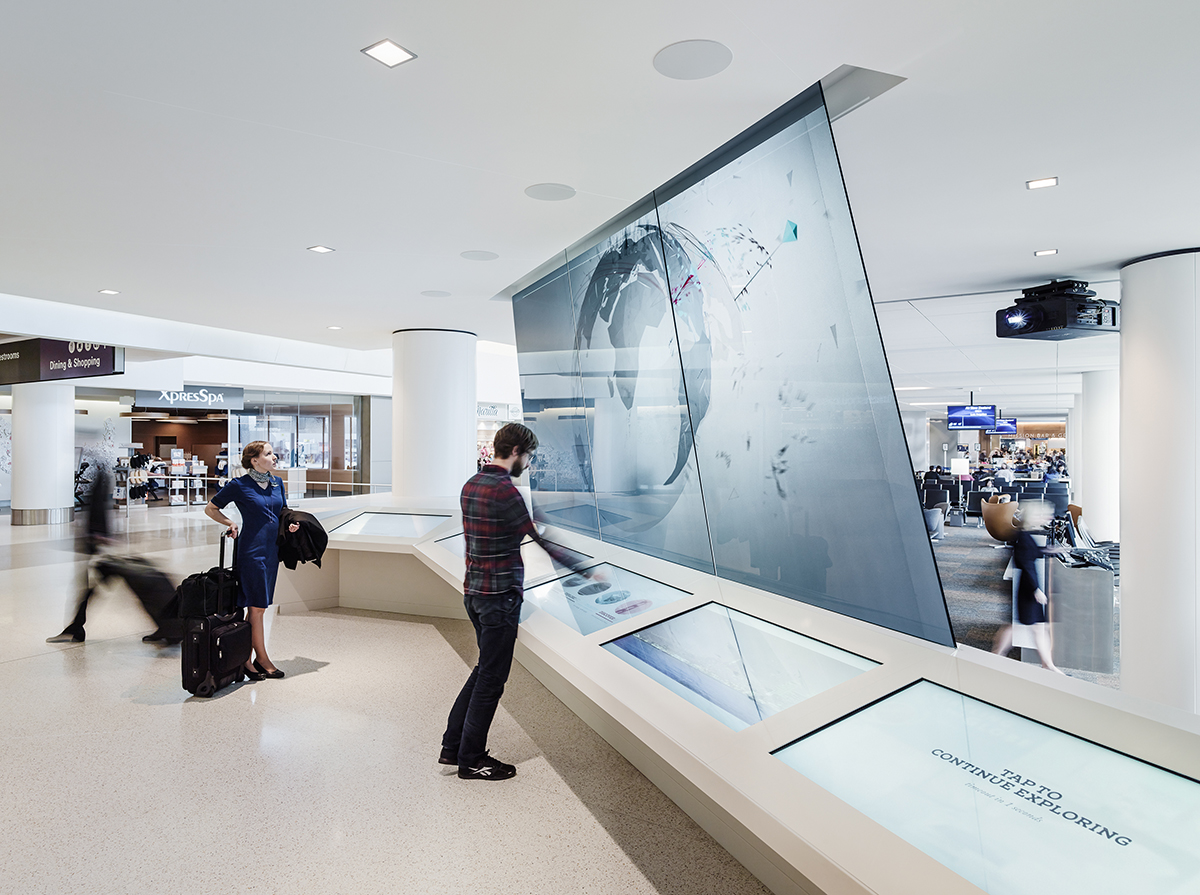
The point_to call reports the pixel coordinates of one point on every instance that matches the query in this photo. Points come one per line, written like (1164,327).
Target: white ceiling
(186,154)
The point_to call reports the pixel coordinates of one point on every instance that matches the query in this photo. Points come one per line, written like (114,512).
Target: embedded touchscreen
(737,668)
(539,565)
(589,604)
(390,525)
(1014,806)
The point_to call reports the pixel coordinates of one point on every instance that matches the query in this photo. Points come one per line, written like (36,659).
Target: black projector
(1062,309)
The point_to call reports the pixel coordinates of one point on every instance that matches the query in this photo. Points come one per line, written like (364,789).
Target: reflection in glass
(647,484)
(807,477)
(390,525)
(588,605)
(541,566)
(1014,806)
(737,668)
(723,335)
(554,406)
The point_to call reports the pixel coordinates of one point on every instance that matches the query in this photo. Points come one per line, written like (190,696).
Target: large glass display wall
(708,383)
(1014,806)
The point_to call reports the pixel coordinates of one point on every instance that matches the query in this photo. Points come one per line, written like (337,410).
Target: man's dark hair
(514,437)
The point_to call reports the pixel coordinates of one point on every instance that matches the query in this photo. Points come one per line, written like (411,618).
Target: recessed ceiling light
(320,249)
(480,256)
(109,292)
(1044,252)
(333,327)
(691,60)
(389,53)
(550,192)
(1041,184)
(436,293)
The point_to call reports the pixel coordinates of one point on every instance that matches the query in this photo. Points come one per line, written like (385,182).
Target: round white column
(1076,460)
(433,412)
(1100,478)
(916,432)
(1159,392)
(43,453)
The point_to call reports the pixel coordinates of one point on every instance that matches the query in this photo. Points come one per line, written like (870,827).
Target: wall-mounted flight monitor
(971,416)
(604,596)
(1010,804)
(737,668)
(390,525)
(1004,426)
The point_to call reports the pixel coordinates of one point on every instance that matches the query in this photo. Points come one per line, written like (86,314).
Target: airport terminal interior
(828,321)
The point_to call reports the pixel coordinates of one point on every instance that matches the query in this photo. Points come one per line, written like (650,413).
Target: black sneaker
(67,636)
(448,756)
(488,768)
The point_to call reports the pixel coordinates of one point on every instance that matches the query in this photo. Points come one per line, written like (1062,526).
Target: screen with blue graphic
(972,416)
(1004,426)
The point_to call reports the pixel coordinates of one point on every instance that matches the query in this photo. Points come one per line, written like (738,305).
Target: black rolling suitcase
(154,589)
(216,646)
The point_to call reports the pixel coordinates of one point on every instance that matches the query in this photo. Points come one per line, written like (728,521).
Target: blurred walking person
(96,535)
(1034,515)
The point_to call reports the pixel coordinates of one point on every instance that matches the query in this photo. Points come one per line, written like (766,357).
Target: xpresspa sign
(206,397)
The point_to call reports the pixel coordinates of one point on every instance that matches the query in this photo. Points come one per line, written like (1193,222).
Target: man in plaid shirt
(494,523)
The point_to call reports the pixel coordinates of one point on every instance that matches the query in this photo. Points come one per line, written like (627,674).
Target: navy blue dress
(257,553)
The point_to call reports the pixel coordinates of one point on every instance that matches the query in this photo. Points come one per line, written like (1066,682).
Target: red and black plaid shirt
(495,521)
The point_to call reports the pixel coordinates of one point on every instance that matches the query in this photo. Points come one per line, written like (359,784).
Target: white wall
(381,440)
(497,378)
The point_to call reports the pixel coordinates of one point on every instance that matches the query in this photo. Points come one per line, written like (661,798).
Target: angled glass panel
(554,405)
(807,478)
(588,605)
(737,668)
(647,484)
(1012,805)
(391,525)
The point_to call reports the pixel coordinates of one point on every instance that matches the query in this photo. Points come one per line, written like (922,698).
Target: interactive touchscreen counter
(737,668)
(391,525)
(589,605)
(539,565)
(1014,806)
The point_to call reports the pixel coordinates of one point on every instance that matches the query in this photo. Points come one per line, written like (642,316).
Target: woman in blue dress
(259,498)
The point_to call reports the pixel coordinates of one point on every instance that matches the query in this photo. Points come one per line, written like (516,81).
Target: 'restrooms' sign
(43,360)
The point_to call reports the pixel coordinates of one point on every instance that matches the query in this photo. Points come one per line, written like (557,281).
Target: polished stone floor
(116,781)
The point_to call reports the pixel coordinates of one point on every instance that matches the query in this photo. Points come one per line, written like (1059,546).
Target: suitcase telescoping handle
(222,572)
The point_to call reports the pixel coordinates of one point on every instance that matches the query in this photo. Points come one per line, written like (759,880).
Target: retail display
(708,386)
(737,668)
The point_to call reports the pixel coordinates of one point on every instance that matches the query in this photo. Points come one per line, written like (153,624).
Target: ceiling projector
(1061,309)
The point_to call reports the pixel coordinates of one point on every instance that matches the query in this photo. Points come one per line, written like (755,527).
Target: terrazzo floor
(116,781)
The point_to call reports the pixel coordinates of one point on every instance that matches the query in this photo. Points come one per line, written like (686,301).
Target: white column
(916,431)
(433,412)
(43,453)
(1100,478)
(1076,455)
(1159,392)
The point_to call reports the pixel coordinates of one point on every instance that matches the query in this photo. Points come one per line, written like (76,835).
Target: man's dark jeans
(495,620)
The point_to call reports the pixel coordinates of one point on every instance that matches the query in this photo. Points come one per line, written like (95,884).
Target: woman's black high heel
(254,675)
(274,675)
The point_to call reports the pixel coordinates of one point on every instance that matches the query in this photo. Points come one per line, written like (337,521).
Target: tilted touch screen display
(391,525)
(708,380)
(589,605)
(737,668)
(1014,806)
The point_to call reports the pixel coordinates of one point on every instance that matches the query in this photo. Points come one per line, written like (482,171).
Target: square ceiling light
(389,53)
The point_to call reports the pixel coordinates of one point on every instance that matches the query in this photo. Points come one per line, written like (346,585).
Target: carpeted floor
(979,598)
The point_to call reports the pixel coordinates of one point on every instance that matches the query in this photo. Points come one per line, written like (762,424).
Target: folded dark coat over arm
(304,545)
